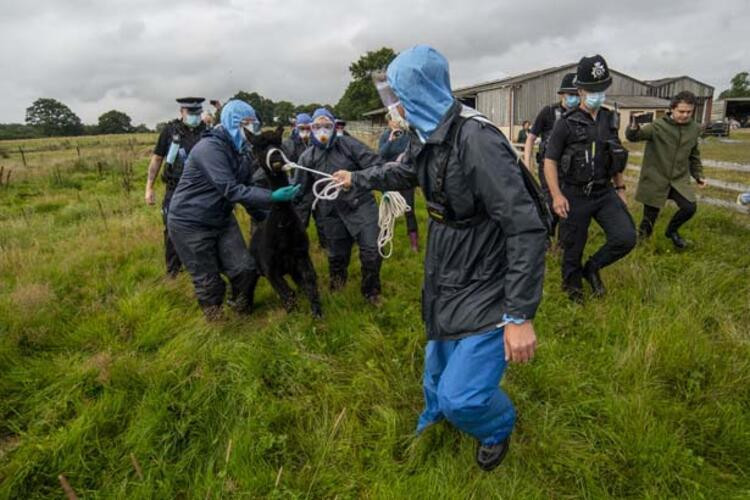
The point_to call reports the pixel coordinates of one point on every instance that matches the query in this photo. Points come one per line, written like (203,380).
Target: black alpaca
(280,244)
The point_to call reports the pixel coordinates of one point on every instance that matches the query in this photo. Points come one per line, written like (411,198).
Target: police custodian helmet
(567,86)
(593,74)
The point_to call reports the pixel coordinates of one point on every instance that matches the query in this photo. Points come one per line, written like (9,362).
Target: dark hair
(685,96)
(525,122)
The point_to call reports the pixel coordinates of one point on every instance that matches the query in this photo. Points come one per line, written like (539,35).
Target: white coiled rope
(392,206)
(326,188)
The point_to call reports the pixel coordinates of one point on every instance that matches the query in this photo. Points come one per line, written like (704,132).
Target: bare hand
(520,342)
(560,205)
(150,196)
(622,196)
(344,177)
(701,183)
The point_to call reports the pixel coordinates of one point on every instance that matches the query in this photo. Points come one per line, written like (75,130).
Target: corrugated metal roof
(638,101)
(666,81)
(510,80)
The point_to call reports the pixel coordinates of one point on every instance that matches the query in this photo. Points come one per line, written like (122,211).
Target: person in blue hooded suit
(353,216)
(484,263)
(294,146)
(201,221)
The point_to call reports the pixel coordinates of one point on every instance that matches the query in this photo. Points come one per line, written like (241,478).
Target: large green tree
(310,108)
(740,86)
(283,111)
(115,122)
(360,95)
(51,118)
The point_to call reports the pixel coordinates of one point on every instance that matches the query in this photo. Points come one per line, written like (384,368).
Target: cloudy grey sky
(137,55)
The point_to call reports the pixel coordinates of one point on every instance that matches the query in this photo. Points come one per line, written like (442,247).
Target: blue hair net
(323,112)
(420,78)
(303,119)
(232,114)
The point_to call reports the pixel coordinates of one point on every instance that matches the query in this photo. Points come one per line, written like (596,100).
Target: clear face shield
(251,125)
(389,99)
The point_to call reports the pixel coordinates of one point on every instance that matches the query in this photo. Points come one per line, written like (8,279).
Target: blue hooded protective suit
(301,119)
(304,119)
(232,115)
(474,275)
(420,79)
(317,114)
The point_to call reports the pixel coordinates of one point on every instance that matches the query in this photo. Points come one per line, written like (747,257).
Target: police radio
(174,148)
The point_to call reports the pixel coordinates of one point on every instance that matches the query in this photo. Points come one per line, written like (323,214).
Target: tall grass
(110,377)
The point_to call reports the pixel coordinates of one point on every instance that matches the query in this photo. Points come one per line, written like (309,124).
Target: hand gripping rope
(392,206)
(326,188)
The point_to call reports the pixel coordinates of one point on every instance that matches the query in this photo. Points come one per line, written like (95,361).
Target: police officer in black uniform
(173,147)
(583,167)
(542,127)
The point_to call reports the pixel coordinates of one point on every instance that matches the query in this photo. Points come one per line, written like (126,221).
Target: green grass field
(110,376)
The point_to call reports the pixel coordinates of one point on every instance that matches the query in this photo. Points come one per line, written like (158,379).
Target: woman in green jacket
(670,159)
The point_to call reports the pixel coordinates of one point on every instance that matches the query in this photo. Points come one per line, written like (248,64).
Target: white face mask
(323,135)
(304,134)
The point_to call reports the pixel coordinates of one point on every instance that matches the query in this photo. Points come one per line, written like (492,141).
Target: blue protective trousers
(462,385)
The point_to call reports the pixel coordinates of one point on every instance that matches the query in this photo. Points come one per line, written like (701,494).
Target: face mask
(339,133)
(594,100)
(304,134)
(192,120)
(252,128)
(322,135)
(572,101)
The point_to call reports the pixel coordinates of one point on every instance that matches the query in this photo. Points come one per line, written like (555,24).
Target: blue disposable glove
(287,193)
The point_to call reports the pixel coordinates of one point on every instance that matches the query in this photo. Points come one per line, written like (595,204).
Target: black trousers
(611,213)
(210,252)
(411,218)
(547,196)
(686,211)
(304,211)
(170,253)
(340,242)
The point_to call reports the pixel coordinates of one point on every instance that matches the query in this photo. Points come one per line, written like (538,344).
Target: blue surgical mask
(192,120)
(594,100)
(572,101)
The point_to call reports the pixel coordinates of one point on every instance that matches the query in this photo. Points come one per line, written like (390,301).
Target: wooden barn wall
(494,105)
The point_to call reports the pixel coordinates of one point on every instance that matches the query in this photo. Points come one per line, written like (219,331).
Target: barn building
(508,102)
(667,88)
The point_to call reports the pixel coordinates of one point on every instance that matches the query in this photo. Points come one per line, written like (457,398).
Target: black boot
(243,292)
(371,282)
(212,313)
(591,274)
(677,240)
(574,288)
(337,281)
(490,456)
